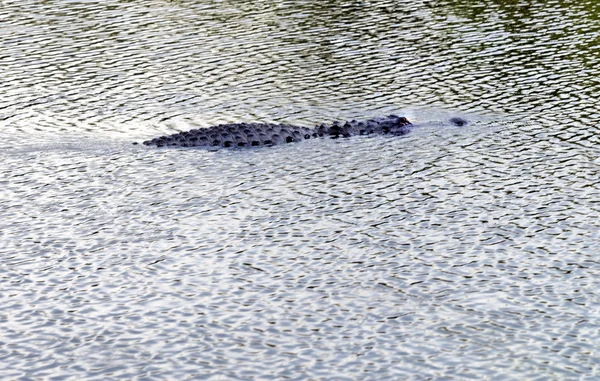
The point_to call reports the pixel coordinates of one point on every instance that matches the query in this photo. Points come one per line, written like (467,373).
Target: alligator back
(235,135)
(267,134)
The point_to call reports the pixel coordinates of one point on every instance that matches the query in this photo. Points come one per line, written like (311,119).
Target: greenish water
(449,254)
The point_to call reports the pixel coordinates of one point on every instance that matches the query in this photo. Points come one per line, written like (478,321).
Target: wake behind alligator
(241,135)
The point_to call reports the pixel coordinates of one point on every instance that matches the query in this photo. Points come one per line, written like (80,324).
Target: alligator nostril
(459,121)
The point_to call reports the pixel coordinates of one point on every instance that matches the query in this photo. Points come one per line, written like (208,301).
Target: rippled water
(452,253)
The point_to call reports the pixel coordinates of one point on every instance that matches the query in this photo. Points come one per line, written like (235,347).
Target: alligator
(240,135)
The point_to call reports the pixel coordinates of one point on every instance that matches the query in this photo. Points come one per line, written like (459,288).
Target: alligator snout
(459,122)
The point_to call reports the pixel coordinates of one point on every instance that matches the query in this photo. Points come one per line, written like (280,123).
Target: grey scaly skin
(241,135)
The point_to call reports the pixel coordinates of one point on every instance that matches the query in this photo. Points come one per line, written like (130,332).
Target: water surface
(452,253)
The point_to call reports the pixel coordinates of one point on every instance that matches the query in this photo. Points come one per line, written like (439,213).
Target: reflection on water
(451,253)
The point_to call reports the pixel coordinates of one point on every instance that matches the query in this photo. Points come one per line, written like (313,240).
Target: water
(452,253)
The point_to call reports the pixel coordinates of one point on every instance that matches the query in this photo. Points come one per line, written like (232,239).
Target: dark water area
(451,253)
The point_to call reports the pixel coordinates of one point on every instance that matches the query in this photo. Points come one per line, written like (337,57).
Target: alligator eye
(307,136)
(289,139)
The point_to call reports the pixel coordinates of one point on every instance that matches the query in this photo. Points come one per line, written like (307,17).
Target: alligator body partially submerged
(266,134)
